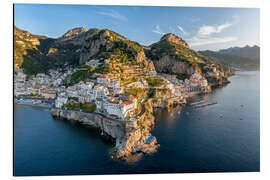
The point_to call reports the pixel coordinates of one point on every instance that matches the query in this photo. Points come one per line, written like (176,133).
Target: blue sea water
(220,138)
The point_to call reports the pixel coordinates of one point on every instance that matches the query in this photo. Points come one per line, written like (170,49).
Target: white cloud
(208,30)
(113,14)
(182,30)
(198,41)
(205,32)
(158,30)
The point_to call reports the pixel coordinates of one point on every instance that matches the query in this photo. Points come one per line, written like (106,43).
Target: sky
(201,27)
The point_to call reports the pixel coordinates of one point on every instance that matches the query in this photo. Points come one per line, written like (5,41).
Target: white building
(127,107)
(60,101)
(72,91)
(99,104)
(119,108)
(57,82)
(20,76)
(115,85)
(104,80)
(100,92)
(113,107)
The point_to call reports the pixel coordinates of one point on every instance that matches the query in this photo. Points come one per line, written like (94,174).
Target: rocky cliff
(130,136)
(137,133)
(114,128)
(172,55)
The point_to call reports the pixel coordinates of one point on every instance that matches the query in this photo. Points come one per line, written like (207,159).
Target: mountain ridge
(246,58)
(170,55)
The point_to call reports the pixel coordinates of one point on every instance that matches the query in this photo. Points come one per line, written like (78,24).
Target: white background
(6,120)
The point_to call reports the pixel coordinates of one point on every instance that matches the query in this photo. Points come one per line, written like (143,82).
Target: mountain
(252,52)
(23,42)
(247,58)
(172,55)
(117,56)
(36,54)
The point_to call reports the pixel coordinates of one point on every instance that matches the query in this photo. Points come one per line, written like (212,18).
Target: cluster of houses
(105,93)
(44,85)
(196,83)
(212,71)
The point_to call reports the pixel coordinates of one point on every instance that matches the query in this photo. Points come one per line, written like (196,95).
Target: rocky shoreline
(130,136)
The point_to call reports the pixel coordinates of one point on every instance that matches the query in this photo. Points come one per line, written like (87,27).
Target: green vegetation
(151,93)
(102,68)
(84,75)
(179,52)
(73,99)
(78,76)
(182,76)
(88,107)
(137,92)
(30,95)
(154,81)
(37,54)
(141,124)
(72,105)
(85,107)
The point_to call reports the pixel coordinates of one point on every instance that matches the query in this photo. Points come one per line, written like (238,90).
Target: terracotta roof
(113,102)
(103,76)
(127,103)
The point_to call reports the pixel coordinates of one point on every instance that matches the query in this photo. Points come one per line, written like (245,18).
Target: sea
(224,137)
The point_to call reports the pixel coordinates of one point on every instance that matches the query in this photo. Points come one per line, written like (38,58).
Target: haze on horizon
(203,28)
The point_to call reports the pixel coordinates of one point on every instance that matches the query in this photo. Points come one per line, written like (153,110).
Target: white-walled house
(118,107)
(60,101)
(104,80)
(113,107)
(127,107)
(100,92)
(72,91)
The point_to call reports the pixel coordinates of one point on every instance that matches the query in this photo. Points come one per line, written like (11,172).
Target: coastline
(129,137)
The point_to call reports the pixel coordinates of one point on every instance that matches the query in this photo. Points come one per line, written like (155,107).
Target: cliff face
(172,55)
(130,136)
(137,132)
(171,65)
(114,128)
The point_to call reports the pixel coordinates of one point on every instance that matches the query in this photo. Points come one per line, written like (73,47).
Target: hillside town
(102,95)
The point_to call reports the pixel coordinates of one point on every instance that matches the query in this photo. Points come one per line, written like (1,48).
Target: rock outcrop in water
(114,128)
(137,133)
(130,136)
